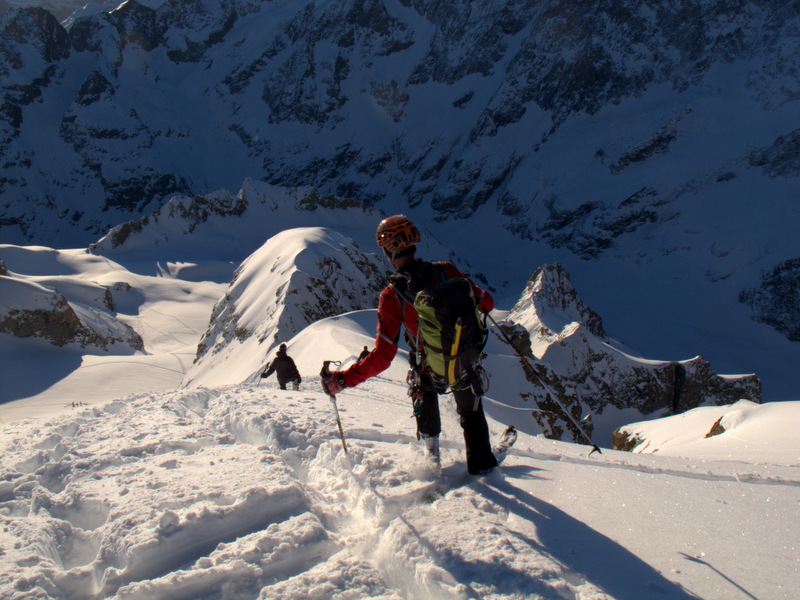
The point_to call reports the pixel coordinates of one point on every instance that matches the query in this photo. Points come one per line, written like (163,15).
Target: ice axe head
(326,367)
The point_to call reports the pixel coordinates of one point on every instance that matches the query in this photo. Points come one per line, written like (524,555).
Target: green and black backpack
(452,334)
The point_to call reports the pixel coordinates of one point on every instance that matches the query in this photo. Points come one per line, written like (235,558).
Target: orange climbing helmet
(397,233)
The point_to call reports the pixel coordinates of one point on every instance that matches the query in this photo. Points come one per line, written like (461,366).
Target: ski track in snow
(736,476)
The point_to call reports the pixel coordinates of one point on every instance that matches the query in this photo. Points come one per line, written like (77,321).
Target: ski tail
(505,443)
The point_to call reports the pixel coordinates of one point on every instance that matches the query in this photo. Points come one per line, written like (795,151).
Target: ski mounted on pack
(547,388)
(326,370)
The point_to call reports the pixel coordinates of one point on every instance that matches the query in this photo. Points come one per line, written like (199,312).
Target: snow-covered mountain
(650,148)
(295,279)
(578,123)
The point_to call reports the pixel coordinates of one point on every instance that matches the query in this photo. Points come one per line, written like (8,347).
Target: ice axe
(261,375)
(324,373)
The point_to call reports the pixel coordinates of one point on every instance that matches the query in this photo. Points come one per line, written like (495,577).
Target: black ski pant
(473,422)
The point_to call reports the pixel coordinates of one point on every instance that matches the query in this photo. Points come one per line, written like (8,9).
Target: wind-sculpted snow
(245,492)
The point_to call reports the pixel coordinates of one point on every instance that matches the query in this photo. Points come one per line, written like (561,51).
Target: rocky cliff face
(776,300)
(279,89)
(589,373)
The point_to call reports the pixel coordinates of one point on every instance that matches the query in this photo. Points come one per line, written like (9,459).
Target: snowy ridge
(597,378)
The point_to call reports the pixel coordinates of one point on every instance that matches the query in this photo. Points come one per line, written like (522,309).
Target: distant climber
(285,368)
(364,354)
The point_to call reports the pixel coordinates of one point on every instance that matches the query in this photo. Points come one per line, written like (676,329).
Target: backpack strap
(440,271)
(401,282)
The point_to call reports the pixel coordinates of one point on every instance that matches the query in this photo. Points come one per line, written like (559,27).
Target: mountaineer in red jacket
(398,236)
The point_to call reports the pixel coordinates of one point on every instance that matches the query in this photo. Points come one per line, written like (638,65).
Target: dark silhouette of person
(285,369)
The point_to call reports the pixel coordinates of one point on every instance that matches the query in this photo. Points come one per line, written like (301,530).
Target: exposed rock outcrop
(590,373)
(776,301)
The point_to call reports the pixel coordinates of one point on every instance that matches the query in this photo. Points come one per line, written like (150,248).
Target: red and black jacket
(393,313)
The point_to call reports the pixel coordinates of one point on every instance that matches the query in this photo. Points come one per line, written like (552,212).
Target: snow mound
(744,431)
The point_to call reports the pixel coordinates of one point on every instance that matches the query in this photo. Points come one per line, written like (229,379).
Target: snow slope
(166,303)
(245,491)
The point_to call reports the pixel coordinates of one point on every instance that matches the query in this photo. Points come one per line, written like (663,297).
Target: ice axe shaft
(547,388)
(261,375)
(326,370)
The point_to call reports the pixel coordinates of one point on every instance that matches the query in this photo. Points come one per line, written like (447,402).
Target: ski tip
(595,449)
